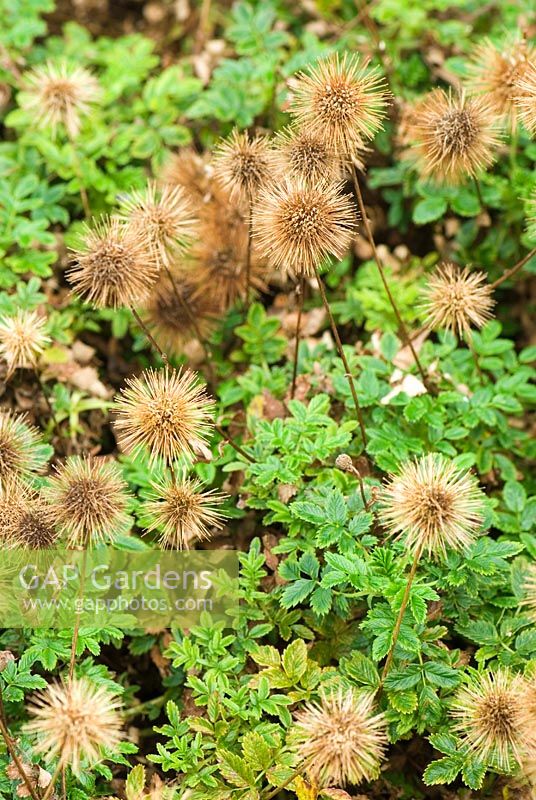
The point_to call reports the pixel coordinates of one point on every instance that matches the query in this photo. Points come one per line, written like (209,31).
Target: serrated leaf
(135,783)
(295,660)
(405,678)
(405,702)
(444,770)
(256,751)
(441,675)
(235,769)
(473,773)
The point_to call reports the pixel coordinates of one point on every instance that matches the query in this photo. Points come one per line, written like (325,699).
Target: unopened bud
(344,462)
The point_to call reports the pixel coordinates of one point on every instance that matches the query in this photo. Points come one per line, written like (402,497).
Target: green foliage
(320,586)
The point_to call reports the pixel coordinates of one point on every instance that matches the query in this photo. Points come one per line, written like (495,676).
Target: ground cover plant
(266,286)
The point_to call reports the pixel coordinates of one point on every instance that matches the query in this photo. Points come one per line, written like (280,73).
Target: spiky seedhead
(496,72)
(74,722)
(11,493)
(434,504)
(60,94)
(493,716)
(181,513)
(457,299)
(174,322)
(30,525)
(165,412)
(23,338)
(453,136)
(300,154)
(114,266)
(189,170)
(88,499)
(526,97)
(19,443)
(218,265)
(164,219)
(243,164)
(340,100)
(297,225)
(340,739)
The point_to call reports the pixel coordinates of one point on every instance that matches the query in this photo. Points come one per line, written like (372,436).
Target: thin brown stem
(78,169)
(405,600)
(248,258)
(300,292)
(10,744)
(512,271)
(55,776)
(148,334)
(76,630)
(191,316)
(401,324)
(342,355)
(478,192)
(233,444)
(51,411)
(203,26)
(296,774)
(475,357)
(357,474)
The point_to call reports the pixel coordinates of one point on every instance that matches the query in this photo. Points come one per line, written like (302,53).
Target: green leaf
(445,770)
(473,773)
(135,783)
(405,678)
(405,702)
(441,675)
(295,660)
(256,751)
(429,209)
(266,656)
(296,592)
(235,769)
(515,496)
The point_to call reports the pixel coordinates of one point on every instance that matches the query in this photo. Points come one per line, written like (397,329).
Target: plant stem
(297,772)
(512,271)
(404,331)
(248,258)
(13,752)
(191,316)
(233,444)
(148,334)
(51,411)
(76,630)
(398,624)
(478,192)
(475,356)
(357,474)
(50,787)
(202,28)
(78,169)
(301,291)
(342,356)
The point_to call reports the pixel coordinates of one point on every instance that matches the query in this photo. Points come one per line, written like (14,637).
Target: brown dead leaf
(160,661)
(82,352)
(404,357)
(269,541)
(286,491)
(272,407)
(87,379)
